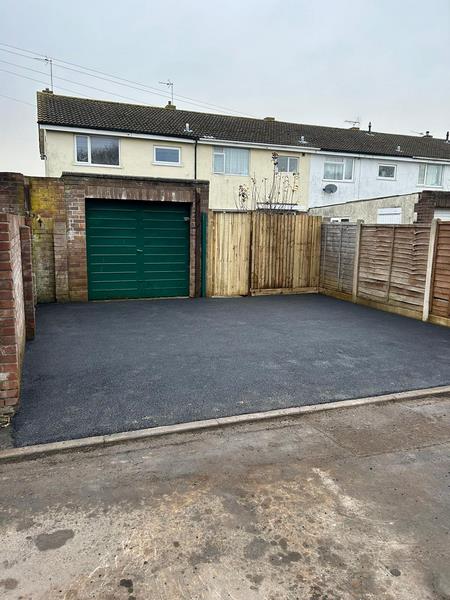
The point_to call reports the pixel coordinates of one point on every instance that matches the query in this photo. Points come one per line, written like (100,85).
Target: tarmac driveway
(99,368)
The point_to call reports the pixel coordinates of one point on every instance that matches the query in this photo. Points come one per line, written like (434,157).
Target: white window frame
(89,163)
(340,161)
(289,158)
(427,185)
(391,210)
(165,162)
(387,178)
(224,172)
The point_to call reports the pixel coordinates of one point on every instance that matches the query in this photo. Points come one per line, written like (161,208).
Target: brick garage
(428,202)
(70,234)
(57,210)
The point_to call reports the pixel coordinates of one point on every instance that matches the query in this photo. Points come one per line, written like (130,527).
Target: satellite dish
(330,188)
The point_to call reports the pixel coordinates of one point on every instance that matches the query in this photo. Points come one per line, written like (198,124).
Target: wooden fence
(337,257)
(399,268)
(262,253)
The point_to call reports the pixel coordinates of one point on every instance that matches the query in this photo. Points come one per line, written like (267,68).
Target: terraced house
(333,167)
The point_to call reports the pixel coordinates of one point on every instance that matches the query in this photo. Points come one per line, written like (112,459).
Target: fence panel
(228,254)
(393,263)
(440,296)
(285,253)
(337,255)
(262,253)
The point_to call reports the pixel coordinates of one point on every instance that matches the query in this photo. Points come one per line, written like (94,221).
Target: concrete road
(338,505)
(99,368)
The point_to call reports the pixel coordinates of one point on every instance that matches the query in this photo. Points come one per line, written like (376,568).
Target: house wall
(367,210)
(365,183)
(136,160)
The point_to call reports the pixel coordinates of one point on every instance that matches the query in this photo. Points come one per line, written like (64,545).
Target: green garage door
(137,249)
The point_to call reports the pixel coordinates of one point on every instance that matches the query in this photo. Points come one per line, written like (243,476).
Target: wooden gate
(285,255)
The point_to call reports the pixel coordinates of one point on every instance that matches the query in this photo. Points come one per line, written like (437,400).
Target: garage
(137,249)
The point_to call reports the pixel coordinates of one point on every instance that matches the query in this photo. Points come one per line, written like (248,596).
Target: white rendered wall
(366,183)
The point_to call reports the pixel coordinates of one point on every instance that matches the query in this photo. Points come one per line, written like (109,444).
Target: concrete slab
(102,368)
(255,511)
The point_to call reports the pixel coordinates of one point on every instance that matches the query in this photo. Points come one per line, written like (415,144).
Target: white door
(389,216)
(442,213)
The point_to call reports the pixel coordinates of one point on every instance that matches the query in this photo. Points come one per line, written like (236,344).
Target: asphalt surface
(99,368)
(348,504)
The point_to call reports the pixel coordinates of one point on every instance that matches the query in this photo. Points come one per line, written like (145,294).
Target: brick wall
(428,201)
(47,207)
(16,305)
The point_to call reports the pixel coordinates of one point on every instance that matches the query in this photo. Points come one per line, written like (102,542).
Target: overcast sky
(307,61)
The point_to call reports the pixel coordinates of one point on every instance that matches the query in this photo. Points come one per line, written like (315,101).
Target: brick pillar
(9,350)
(27,278)
(12,193)
(61,266)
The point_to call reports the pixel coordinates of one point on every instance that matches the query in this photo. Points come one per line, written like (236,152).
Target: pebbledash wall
(16,289)
(43,249)
(418,207)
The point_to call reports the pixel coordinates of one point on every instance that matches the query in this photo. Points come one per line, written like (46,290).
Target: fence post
(210,254)
(430,268)
(356,261)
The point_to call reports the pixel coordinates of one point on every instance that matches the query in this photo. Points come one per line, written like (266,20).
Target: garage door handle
(139,250)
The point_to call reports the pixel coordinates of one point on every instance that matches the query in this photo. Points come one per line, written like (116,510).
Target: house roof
(133,118)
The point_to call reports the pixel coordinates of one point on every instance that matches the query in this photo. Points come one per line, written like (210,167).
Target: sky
(320,62)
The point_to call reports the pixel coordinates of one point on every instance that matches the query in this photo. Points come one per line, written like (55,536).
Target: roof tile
(133,118)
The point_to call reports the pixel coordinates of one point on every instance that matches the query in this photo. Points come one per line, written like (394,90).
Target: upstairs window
(338,170)
(430,175)
(97,150)
(167,155)
(387,171)
(231,161)
(287,164)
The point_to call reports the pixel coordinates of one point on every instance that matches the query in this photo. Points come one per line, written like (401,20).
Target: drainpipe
(195,158)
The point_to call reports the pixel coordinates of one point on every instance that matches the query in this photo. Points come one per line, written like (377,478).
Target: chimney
(47,91)
(447,136)
(170,106)
(269,118)
(427,134)
(370,126)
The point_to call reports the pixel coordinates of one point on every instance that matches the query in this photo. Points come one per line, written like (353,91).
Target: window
(390,216)
(430,175)
(97,150)
(231,161)
(338,170)
(339,220)
(167,155)
(287,164)
(387,171)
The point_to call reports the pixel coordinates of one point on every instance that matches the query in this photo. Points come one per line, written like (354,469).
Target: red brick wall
(429,200)
(12,307)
